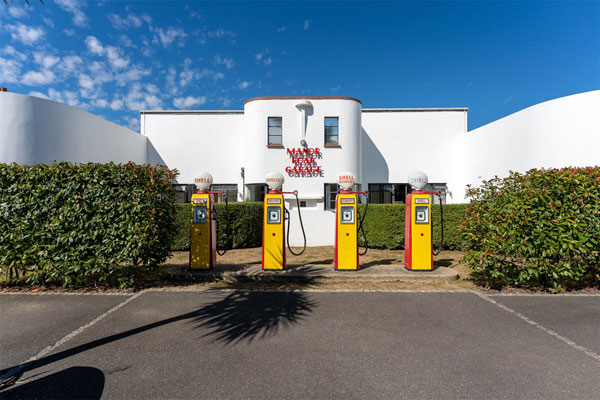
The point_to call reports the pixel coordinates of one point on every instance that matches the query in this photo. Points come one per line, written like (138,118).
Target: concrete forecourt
(300,344)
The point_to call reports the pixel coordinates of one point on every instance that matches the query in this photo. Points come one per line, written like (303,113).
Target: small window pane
(274,121)
(331,140)
(275,140)
(331,121)
(331,130)
(274,131)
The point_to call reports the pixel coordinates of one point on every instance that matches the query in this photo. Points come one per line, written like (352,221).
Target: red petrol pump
(274,216)
(204,225)
(418,248)
(348,224)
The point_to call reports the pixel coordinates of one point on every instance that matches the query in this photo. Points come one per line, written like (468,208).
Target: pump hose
(360,226)
(301,226)
(228,243)
(442,225)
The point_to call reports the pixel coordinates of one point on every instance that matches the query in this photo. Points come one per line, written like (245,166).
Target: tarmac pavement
(301,344)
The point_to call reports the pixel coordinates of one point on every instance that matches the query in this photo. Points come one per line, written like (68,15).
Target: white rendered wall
(558,133)
(397,142)
(40,131)
(260,159)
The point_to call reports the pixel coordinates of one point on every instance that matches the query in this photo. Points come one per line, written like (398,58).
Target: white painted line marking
(70,336)
(539,326)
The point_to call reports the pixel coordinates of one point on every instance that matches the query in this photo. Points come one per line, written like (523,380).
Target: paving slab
(574,317)
(30,323)
(298,345)
(310,273)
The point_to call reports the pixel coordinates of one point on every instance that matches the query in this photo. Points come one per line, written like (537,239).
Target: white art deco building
(310,140)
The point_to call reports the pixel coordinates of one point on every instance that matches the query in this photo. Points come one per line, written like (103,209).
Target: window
(331,131)
(388,193)
(331,190)
(275,131)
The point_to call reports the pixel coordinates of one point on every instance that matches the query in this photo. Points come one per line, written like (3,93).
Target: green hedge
(540,229)
(78,224)
(246,225)
(384,226)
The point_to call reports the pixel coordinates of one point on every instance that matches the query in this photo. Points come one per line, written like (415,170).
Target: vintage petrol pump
(275,214)
(348,223)
(204,226)
(418,252)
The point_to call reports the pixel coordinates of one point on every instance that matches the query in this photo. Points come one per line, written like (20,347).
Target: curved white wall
(40,131)
(558,133)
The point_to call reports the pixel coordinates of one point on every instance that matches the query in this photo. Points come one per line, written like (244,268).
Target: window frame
(325,135)
(269,135)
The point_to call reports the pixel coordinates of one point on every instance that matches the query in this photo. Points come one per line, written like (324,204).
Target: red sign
(304,162)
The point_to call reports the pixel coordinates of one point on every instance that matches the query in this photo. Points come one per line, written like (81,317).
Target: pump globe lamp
(418,180)
(346,180)
(275,180)
(203,180)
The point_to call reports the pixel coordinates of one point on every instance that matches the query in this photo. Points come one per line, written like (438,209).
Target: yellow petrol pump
(274,216)
(203,226)
(418,249)
(347,225)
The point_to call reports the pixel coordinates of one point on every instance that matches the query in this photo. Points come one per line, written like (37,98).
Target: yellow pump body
(273,249)
(203,243)
(418,247)
(346,232)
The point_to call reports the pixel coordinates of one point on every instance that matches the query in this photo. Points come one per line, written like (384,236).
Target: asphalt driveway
(247,344)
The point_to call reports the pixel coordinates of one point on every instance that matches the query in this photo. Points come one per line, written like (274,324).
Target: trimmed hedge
(384,226)
(246,225)
(540,229)
(80,224)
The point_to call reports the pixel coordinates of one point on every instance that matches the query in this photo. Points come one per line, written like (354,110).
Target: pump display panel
(421,215)
(273,215)
(199,214)
(347,215)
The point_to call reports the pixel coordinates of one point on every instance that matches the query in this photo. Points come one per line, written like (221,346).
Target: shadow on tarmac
(241,316)
(71,383)
(387,261)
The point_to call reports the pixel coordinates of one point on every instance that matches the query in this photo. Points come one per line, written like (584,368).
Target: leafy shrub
(540,229)
(77,224)
(384,225)
(246,225)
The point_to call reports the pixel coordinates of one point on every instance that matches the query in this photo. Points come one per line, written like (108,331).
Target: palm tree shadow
(247,315)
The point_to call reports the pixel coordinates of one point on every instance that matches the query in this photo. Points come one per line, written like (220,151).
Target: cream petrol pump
(418,249)
(348,223)
(204,225)
(274,216)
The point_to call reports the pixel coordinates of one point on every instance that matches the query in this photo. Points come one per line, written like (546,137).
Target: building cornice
(303,98)
(376,110)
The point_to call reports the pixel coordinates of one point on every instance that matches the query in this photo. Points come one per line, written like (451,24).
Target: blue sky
(113,58)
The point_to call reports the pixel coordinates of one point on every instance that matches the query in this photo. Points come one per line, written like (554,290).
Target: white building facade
(311,140)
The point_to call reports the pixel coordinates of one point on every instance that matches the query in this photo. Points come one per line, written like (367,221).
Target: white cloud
(38,94)
(67,97)
(86,82)
(25,34)
(126,22)
(132,74)
(74,7)
(268,61)
(33,78)
(70,64)
(307,24)
(69,32)
(45,60)
(9,70)
(100,103)
(263,57)
(94,45)
(189,101)
(219,33)
(48,22)
(227,62)
(226,102)
(218,75)
(258,56)
(125,41)
(142,97)
(146,18)
(171,84)
(17,12)
(116,104)
(243,85)
(99,72)
(9,50)
(282,29)
(169,36)
(115,58)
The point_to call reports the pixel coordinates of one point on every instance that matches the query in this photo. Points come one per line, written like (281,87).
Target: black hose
(228,243)
(360,226)
(442,225)
(301,226)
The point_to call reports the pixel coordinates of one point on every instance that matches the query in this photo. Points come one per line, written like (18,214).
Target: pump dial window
(421,215)
(199,214)
(273,215)
(347,214)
